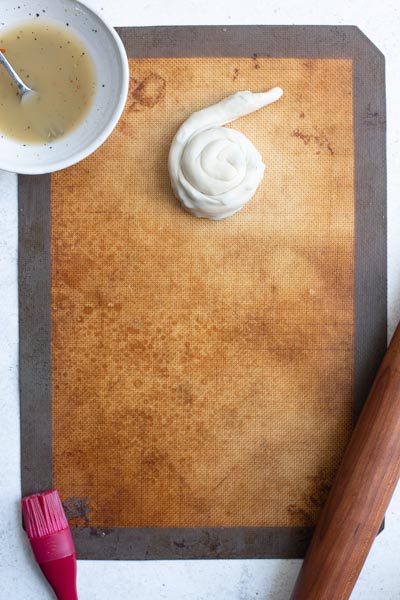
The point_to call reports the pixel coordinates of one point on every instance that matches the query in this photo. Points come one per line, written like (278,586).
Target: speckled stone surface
(194,580)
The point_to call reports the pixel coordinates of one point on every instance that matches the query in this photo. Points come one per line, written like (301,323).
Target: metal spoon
(24,90)
(53,131)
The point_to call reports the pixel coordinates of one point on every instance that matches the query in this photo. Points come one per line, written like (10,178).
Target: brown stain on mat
(143,95)
(256,64)
(313,500)
(319,138)
(301,517)
(77,511)
(146,93)
(203,371)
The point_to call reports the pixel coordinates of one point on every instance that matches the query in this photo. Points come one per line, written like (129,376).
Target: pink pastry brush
(50,537)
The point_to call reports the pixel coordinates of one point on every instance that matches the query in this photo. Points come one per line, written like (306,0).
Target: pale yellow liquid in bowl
(53,62)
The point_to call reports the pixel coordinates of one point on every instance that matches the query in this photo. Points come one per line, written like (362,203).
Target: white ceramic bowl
(111,64)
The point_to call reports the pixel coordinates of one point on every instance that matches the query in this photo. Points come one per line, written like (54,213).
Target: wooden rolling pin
(360,494)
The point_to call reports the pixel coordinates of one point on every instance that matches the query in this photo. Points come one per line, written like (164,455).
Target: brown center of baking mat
(203,373)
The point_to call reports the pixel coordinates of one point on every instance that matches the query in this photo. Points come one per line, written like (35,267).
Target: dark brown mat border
(370,279)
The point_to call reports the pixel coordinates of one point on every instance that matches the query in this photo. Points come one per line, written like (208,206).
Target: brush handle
(360,494)
(61,575)
(55,554)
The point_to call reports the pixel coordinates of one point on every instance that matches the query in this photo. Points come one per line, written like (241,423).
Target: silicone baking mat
(189,386)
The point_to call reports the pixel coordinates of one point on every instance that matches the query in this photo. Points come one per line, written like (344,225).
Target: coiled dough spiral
(214,170)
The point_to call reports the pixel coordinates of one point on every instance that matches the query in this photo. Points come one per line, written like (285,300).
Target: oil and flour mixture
(56,64)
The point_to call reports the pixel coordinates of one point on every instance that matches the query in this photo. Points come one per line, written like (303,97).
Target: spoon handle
(14,76)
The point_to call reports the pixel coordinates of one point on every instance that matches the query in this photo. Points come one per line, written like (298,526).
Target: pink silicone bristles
(43,514)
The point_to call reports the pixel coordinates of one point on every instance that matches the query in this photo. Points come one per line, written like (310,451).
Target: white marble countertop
(20,579)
